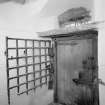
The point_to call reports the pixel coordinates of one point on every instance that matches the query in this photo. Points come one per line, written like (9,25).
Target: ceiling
(17,1)
(56,7)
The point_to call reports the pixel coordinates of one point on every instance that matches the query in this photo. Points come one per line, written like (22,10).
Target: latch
(101,82)
(51,52)
(51,73)
(50,68)
(5,53)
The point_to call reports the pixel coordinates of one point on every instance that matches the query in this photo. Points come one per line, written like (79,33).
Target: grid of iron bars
(25,58)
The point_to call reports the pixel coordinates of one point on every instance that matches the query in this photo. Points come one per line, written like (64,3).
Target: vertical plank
(7,66)
(26,66)
(95,70)
(33,65)
(54,45)
(61,78)
(17,61)
(51,58)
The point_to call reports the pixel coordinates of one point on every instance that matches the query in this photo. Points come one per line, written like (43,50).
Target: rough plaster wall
(99,14)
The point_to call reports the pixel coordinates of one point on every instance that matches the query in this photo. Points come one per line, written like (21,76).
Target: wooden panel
(70,57)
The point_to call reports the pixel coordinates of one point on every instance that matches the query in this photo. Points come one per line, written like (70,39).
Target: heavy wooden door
(77,71)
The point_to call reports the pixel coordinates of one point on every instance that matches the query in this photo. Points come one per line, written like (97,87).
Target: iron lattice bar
(17,61)
(34,63)
(46,61)
(40,61)
(25,58)
(26,66)
(28,39)
(26,48)
(7,64)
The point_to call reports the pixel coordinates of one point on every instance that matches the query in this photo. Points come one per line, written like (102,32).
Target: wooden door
(77,71)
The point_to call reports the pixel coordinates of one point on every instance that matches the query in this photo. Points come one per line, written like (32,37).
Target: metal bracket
(50,52)
(101,82)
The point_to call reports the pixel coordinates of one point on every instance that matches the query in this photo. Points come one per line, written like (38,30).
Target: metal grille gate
(26,61)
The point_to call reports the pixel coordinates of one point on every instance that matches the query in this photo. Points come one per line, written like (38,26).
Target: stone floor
(42,96)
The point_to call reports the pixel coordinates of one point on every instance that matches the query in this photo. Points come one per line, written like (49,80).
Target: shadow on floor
(43,96)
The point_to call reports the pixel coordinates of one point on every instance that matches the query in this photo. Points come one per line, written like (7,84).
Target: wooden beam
(16,1)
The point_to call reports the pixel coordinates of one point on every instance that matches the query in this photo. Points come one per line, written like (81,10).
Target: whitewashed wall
(21,21)
(99,14)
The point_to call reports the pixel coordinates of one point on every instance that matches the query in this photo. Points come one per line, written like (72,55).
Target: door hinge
(5,53)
